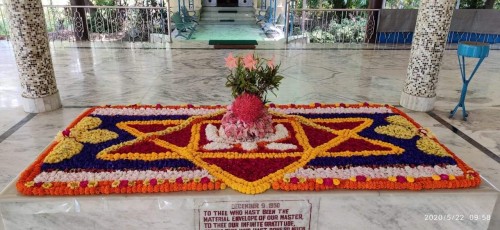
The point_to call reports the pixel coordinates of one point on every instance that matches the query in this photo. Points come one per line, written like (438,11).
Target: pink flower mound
(247,119)
(247,107)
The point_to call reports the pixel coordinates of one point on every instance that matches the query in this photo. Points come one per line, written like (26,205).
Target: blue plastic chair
(472,50)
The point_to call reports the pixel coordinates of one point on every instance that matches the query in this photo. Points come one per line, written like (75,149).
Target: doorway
(227,3)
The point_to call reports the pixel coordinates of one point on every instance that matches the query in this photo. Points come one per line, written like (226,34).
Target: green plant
(347,30)
(253,75)
(4,28)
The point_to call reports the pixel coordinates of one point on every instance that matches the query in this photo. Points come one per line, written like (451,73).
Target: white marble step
(339,209)
(239,18)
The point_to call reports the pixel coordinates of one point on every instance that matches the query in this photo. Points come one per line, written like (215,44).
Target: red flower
(84,183)
(247,107)
(179,180)
(328,181)
(361,178)
(153,182)
(66,132)
(294,180)
(205,180)
(401,179)
(123,184)
(444,177)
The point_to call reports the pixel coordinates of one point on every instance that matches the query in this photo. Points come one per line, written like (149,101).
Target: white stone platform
(342,209)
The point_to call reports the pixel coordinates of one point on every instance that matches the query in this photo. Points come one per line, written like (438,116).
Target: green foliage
(478,4)
(334,4)
(104,2)
(348,30)
(402,4)
(259,81)
(4,28)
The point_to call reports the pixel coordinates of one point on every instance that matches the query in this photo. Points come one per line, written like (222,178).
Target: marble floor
(118,74)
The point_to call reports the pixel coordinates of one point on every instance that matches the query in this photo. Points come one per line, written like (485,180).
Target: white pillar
(429,40)
(31,50)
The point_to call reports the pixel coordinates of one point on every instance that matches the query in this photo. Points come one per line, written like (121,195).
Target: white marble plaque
(255,215)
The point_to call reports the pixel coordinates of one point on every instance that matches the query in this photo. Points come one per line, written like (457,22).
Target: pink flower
(249,61)
(231,62)
(270,63)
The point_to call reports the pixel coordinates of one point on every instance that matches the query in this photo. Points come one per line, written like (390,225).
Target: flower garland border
(25,184)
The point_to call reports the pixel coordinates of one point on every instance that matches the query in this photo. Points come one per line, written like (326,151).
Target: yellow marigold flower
(29,184)
(131,183)
(161,181)
(92,183)
(46,185)
(337,181)
(352,179)
(185,180)
(115,183)
(73,184)
(392,179)
(429,146)
(146,182)
(451,177)
(196,180)
(410,179)
(222,186)
(171,180)
(87,123)
(319,180)
(59,137)
(286,180)
(302,180)
(397,131)
(400,120)
(65,149)
(436,177)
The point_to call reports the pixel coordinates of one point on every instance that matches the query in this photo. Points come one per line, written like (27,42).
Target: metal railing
(331,25)
(103,23)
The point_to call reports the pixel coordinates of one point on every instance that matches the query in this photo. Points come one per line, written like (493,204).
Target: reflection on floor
(104,75)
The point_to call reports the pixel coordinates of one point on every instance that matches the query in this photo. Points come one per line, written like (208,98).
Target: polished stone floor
(116,74)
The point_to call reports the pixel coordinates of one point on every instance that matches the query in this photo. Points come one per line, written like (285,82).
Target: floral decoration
(252,74)
(156,148)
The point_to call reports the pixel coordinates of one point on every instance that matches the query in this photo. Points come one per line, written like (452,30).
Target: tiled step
(228,22)
(228,15)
